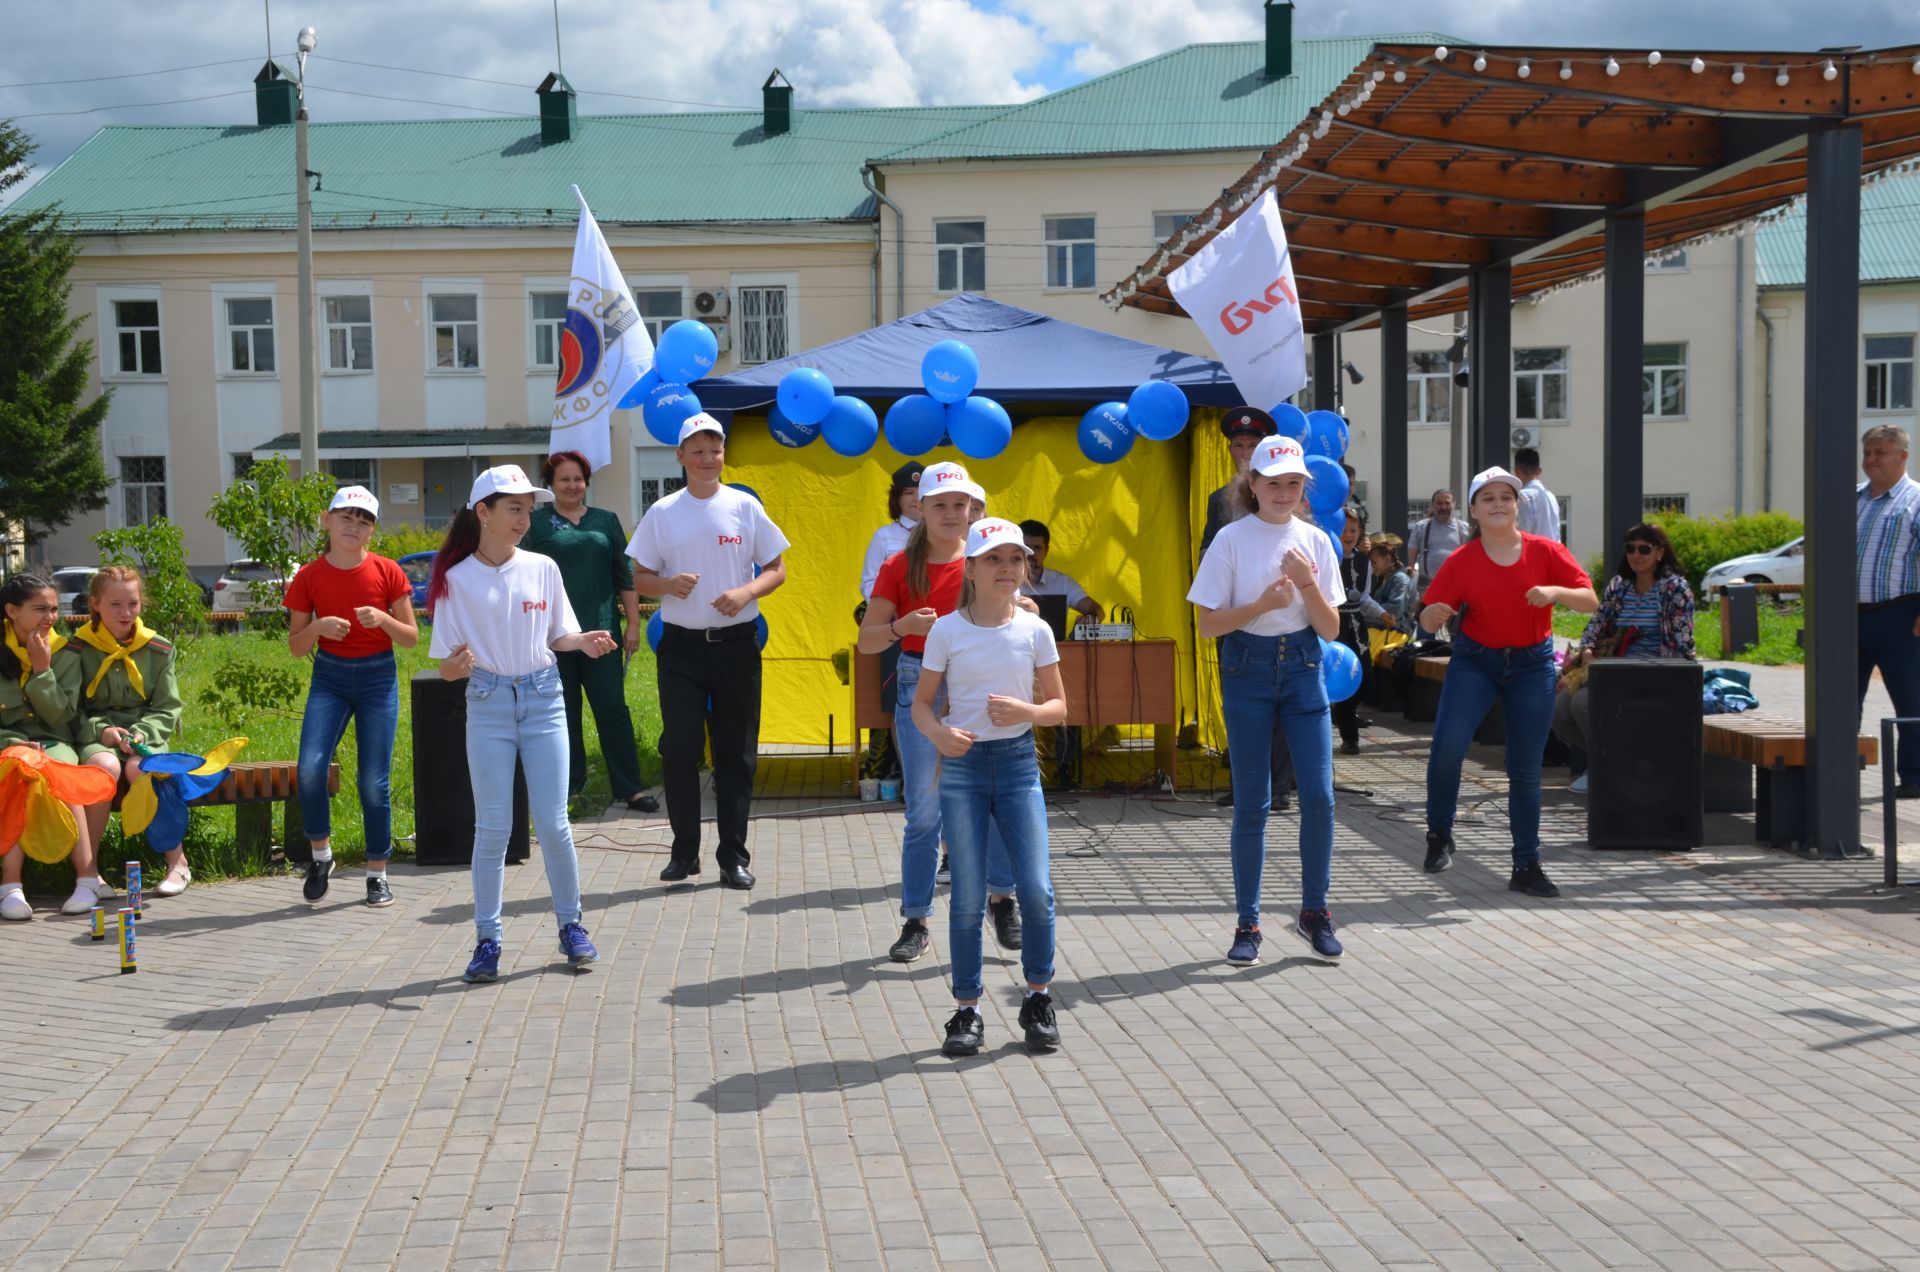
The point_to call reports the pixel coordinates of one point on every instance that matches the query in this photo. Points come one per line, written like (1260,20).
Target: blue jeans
(1522,678)
(1886,641)
(919,773)
(996,786)
(367,692)
(508,718)
(1267,681)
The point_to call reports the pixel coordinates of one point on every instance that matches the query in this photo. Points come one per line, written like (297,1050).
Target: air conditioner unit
(722,332)
(709,305)
(1523,437)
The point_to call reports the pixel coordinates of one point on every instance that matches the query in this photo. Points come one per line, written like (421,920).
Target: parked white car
(1784,564)
(234,591)
(71,582)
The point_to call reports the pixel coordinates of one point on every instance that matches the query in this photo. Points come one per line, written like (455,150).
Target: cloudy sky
(119,63)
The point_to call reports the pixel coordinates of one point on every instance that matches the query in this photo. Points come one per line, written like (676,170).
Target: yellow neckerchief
(94,635)
(55,642)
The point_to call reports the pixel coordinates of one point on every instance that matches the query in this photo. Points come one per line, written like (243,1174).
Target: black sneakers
(379,894)
(913,941)
(1533,881)
(944,874)
(1006,922)
(1439,852)
(318,872)
(1036,1017)
(967,1033)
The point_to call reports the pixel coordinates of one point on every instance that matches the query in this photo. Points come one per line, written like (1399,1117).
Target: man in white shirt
(697,550)
(1044,582)
(1539,510)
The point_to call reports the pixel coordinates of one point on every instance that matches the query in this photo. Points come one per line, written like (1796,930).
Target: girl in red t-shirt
(1504,585)
(349,609)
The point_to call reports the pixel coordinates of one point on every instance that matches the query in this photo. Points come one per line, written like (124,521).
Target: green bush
(169,598)
(394,542)
(277,520)
(1700,543)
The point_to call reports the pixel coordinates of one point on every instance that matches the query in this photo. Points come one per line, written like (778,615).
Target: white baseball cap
(1498,475)
(506,479)
(1277,455)
(701,422)
(937,478)
(989,533)
(358,498)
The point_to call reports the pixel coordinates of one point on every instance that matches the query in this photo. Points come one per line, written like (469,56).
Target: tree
(277,520)
(51,469)
(170,600)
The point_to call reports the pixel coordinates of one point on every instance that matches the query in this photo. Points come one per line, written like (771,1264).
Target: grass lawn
(274,734)
(1778,645)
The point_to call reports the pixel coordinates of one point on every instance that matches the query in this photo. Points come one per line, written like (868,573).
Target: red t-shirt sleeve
(1563,568)
(299,597)
(394,579)
(1452,580)
(891,584)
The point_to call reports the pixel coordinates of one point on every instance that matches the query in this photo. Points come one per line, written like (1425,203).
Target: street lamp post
(309,380)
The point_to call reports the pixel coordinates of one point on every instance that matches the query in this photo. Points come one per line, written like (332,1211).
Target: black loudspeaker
(1646,786)
(442,791)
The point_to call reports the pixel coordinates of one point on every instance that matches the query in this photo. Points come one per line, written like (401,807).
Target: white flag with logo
(604,348)
(1239,289)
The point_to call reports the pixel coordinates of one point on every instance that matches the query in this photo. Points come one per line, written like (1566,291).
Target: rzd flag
(604,348)
(1239,289)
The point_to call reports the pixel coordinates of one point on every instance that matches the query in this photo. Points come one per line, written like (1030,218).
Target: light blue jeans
(523,718)
(919,784)
(1264,681)
(995,786)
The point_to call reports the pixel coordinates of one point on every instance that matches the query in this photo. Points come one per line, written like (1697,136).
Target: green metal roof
(1201,97)
(492,440)
(1889,236)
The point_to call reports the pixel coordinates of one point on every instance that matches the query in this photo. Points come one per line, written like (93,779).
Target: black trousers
(709,691)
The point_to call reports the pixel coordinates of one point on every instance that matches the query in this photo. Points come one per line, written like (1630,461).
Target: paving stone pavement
(1702,1060)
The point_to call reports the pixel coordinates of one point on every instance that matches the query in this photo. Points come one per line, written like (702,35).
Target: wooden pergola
(1435,180)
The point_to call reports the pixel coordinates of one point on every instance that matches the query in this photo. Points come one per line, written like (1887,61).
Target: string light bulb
(1739,72)
(1440,53)
(1566,70)
(1400,73)
(1479,61)
(1829,71)
(1378,76)
(1344,109)
(1653,58)
(1526,68)
(1916,66)
(1698,65)
(1780,78)
(1613,67)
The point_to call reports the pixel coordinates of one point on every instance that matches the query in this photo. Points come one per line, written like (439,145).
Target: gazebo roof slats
(1687,142)
(1442,214)
(1417,246)
(1538,184)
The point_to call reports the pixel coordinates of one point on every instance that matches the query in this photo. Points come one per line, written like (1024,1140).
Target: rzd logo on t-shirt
(527,607)
(725,539)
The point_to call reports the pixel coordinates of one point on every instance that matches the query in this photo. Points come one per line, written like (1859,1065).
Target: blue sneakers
(1315,927)
(575,945)
(485,965)
(1245,951)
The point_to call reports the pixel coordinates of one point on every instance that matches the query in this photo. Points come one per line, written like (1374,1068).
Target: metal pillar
(1623,443)
(1832,453)
(1390,509)
(1490,365)
(1326,372)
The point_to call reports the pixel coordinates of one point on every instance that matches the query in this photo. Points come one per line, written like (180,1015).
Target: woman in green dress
(590,547)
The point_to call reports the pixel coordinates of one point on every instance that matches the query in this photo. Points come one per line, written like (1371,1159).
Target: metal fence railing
(1889,804)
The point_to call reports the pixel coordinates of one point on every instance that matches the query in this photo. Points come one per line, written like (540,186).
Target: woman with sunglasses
(1646,612)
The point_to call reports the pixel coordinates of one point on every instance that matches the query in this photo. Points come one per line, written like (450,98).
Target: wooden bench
(251,790)
(1741,745)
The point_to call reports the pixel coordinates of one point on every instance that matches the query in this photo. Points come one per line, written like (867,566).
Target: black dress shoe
(736,877)
(643,803)
(677,870)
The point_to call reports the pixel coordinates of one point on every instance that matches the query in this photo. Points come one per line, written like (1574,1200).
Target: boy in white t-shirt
(697,550)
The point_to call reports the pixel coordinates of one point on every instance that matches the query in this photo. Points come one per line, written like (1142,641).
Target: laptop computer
(1053,610)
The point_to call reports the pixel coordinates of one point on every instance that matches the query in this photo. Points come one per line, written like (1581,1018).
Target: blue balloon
(805,395)
(668,407)
(1106,432)
(656,628)
(1326,434)
(915,424)
(1339,670)
(1327,486)
(745,489)
(687,351)
(949,371)
(1290,421)
(850,426)
(980,427)
(786,432)
(760,631)
(1333,525)
(637,395)
(1157,410)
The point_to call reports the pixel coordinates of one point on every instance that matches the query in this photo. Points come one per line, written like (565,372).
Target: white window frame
(663,283)
(1662,374)
(1539,377)
(338,289)
(529,288)
(124,488)
(1425,386)
(110,298)
(1867,367)
(431,287)
(372,481)
(654,463)
(223,319)
(787,279)
(1048,244)
(959,252)
(1176,226)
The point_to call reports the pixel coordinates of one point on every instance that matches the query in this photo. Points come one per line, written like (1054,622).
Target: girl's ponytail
(919,583)
(463,536)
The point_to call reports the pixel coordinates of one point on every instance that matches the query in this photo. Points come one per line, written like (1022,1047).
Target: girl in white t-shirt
(499,617)
(991,655)
(1269,589)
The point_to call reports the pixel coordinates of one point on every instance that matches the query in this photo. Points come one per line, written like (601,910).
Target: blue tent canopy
(1024,357)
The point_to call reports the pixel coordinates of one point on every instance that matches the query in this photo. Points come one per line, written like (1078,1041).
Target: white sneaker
(86,895)
(14,907)
(1578,785)
(176,881)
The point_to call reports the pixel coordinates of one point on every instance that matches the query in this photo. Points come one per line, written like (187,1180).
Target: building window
(1429,388)
(1070,251)
(1663,505)
(654,489)
(1668,262)
(763,324)
(456,332)
(549,316)
(1168,224)
(137,325)
(959,256)
(143,489)
(1889,373)
(353,472)
(250,335)
(660,308)
(1663,381)
(1540,384)
(243,462)
(349,333)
